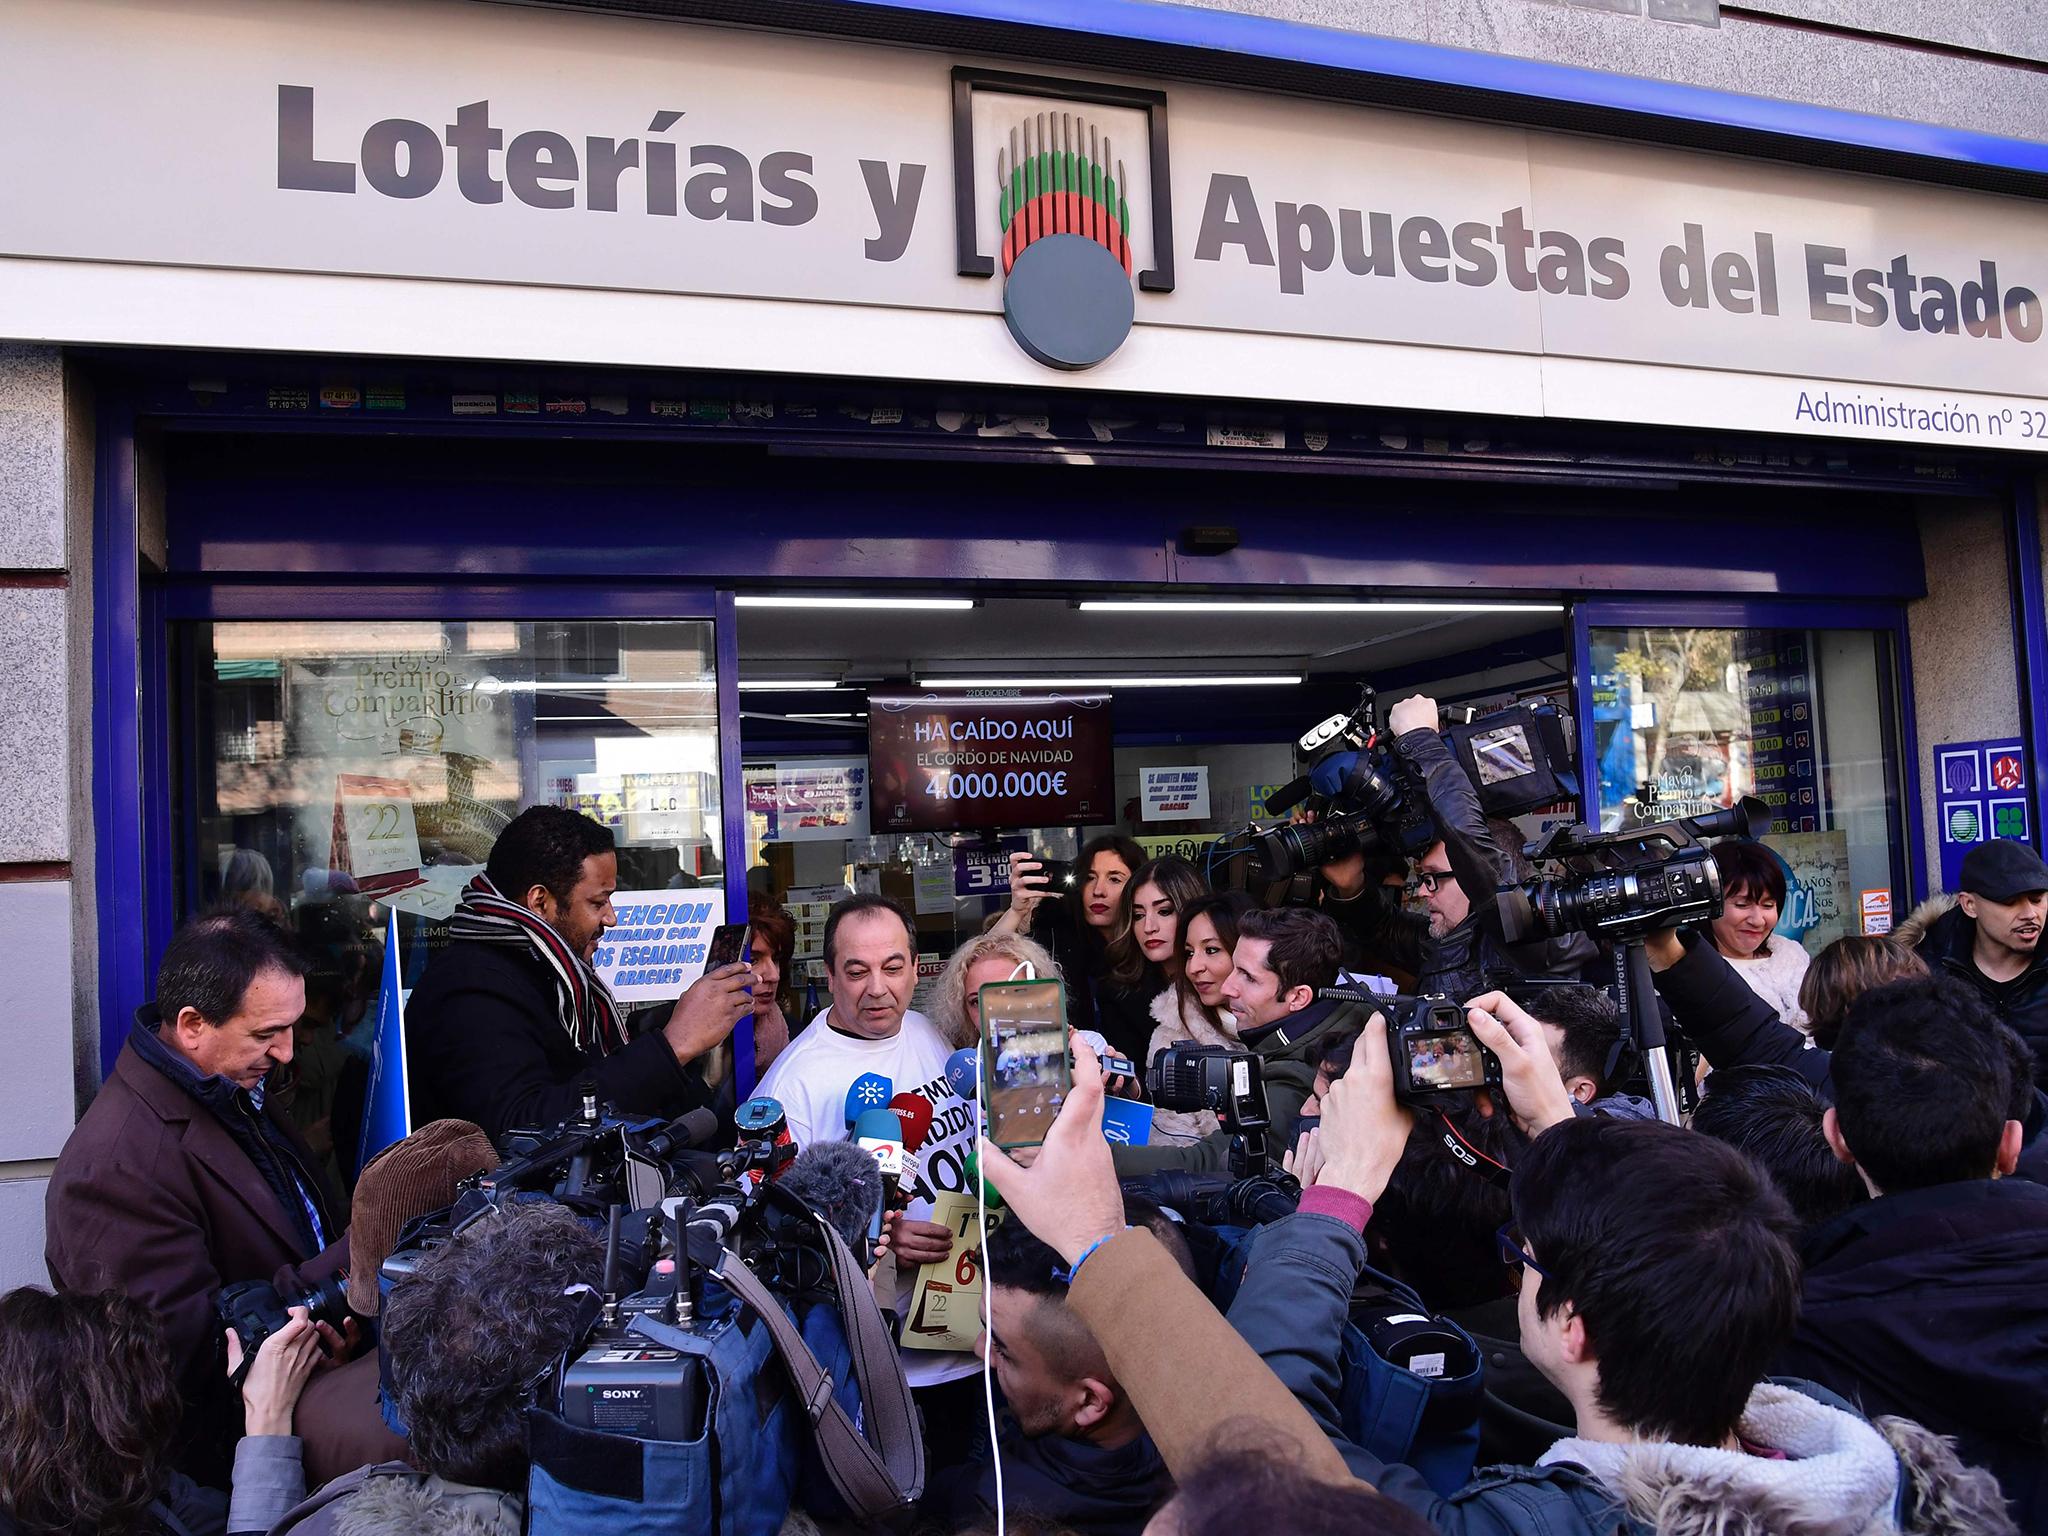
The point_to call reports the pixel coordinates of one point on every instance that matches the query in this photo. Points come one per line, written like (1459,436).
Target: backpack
(805,1403)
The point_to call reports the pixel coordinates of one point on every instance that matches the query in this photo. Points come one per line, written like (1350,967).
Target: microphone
(915,1112)
(880,1134)
(842,1184)
(690,1130)
(870,1090)
(963,1072)
(1290,794)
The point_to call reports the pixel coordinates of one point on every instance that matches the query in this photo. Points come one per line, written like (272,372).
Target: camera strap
(1494,1172)
(879,1475)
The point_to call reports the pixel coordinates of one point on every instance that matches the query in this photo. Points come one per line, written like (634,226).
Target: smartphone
(728,943)
(1025,1067)
(1061,877)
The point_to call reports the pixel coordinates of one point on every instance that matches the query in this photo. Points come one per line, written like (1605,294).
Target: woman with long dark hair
(1192,1008)
(1074,925)
(89,1409)
(1144,951)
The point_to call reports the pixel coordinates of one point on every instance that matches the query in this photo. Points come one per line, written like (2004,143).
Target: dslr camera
(255,1309)
(1433,1050)
(1430,1047)
(1624,885)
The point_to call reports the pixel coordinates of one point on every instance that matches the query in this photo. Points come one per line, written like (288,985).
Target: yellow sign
(945,1309)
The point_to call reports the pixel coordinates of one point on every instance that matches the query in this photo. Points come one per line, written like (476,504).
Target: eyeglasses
(1428,881)
(1512,1253)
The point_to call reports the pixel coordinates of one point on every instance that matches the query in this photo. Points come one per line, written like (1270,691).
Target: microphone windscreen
(842,1184)
(963,1072)
(697,1127)
(870,1090)
(914,1112)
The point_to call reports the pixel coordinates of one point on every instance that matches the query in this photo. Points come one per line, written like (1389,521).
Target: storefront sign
(1875,911)
(1176,794)
(657,949)
(1981,793)
(604,189)
(1194,849)
(967,761)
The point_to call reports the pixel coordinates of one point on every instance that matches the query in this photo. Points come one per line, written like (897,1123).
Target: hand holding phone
(1025,1068)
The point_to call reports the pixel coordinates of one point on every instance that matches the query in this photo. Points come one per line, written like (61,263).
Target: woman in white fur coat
(1192,1008)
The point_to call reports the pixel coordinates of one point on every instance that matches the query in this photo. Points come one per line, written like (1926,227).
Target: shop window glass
(335,773)
(1689,720)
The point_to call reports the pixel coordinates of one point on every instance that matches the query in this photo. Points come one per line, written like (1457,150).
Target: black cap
(2003,869)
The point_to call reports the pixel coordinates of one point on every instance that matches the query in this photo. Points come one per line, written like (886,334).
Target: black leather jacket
(1464,961)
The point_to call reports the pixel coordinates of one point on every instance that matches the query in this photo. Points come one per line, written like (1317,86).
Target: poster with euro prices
(376,840)
(657,949)
(949,762)
(945,1308)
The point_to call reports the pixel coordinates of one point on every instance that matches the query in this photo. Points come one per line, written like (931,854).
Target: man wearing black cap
(1992,939)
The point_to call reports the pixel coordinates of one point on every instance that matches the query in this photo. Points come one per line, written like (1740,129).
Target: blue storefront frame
(134,802)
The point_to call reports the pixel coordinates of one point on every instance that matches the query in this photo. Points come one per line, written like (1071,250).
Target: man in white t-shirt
(871,968)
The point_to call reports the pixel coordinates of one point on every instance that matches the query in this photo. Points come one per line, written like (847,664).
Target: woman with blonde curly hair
(993,956)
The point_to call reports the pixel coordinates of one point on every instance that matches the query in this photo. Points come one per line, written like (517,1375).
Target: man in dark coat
(1991,939)
(1459,950)
(183,1177)
(1930,1302)
(510,1024)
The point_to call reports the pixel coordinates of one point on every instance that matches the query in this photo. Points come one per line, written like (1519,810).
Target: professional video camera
(1359,792)
(1623,886)
(1364,796)
(734,1325)
(1626,884)
(1226,1081)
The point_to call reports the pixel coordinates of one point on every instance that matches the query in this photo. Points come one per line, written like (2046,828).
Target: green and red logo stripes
(1066,241)
(1059,176)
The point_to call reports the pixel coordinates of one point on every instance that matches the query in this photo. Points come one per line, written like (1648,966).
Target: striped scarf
(585,1004)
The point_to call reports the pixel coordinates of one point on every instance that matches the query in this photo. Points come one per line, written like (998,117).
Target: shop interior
(1224,687)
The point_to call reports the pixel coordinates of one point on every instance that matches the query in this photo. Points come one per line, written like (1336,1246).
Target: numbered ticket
(376,839)
(945,1308)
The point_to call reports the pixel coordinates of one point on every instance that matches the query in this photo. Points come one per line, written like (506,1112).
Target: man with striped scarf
(510,1025)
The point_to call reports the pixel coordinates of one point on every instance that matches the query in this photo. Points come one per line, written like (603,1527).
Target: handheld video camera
(1624,885)
(1361,795)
